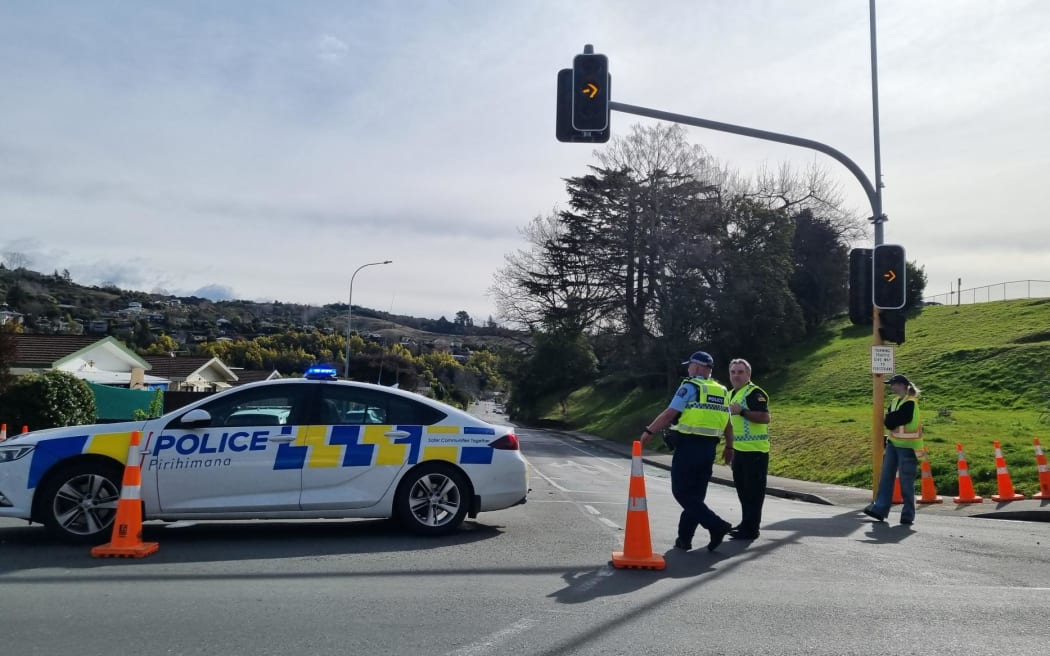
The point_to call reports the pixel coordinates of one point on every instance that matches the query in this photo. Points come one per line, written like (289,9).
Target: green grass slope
(984,372)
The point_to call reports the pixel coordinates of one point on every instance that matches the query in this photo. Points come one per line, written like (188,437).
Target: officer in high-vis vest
(749,406)
(903,450)
(701,408)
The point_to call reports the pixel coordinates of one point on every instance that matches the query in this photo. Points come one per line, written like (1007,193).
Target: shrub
(54,398)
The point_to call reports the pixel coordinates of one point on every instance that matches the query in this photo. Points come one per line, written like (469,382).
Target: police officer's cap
(701,357)
(899,378)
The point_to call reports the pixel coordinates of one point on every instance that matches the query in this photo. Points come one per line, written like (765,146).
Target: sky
(265,150)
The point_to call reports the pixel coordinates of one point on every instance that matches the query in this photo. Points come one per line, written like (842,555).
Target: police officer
(904,447)
(749,407)
(701,408)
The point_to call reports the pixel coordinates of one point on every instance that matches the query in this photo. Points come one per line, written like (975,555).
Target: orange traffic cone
(1044,473)
(929,492)
(966,494)
(3,433)
(25,429)
(127,527)
(897,497)
(1006,486)
(637,544)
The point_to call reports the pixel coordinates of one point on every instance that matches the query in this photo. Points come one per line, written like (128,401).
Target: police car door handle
(397,433)
(281,438)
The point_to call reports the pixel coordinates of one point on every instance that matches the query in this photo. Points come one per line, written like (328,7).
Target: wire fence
(1002,291)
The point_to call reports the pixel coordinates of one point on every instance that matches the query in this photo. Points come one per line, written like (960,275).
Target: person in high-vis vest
(903,449)
(749,407)
(701,408)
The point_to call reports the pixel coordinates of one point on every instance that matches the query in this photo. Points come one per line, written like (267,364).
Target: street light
(349,308)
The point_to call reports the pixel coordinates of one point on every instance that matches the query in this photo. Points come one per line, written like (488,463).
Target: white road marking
(591,509)
(618,504)
(485,645)
(546,478)
(594,580)
(617,464)
(608,522)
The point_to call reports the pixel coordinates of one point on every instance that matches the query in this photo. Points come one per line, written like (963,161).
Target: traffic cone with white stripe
(966,494)
(1044,473)
(637,543)
(898,498)
(929,492)
(127,526)
(3,433)
(1006,486)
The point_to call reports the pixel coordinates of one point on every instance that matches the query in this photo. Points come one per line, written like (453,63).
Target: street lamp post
(349,310)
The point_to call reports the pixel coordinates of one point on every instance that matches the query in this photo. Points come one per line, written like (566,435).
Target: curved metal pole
(349,313)
(869,189)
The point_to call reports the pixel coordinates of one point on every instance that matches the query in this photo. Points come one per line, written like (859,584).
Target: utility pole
(878,390)
(568,99)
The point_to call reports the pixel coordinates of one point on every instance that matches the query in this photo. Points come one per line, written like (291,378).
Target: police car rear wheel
(80,502)
(433,499)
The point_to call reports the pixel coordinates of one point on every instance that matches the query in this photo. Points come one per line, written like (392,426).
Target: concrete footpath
(836,495)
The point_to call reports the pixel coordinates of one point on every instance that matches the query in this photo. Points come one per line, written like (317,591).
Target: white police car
(313,447)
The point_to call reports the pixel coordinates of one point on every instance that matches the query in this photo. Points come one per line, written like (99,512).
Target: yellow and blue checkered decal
(49,452)
(369,446)
(314,446)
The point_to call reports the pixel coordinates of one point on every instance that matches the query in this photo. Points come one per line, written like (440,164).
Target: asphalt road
(535,580)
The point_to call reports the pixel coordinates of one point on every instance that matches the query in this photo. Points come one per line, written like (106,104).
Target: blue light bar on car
(322,373)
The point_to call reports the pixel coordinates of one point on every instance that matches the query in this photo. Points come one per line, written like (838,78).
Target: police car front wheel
(433,499)
(79,501)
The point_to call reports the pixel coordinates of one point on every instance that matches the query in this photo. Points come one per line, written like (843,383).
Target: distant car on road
(314,447)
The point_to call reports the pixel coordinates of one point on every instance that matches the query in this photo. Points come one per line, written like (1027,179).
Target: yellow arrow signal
(591,90)
(890,276)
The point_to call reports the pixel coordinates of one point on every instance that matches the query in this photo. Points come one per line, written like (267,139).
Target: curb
(781,487)
(721,480)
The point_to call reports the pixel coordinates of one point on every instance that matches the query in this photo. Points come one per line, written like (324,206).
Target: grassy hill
(984,372)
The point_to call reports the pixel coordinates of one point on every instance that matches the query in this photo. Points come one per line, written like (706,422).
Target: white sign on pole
(882,359)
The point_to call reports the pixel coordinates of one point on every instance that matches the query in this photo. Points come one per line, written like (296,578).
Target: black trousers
(749,477)
(691,469)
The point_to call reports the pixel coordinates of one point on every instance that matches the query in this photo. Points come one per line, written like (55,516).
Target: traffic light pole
(878,390)
(874,197)
(874,193)
(765,135)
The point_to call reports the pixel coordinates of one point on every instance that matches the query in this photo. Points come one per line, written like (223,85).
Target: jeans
(691,470)
(749,476)
(903,458)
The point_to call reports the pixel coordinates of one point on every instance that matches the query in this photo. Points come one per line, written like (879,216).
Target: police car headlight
(12,453)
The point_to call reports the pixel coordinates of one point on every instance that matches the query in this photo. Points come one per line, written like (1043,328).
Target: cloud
(331,48)
(215,292)
(274,150)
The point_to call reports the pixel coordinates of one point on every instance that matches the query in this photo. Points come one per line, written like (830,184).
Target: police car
(314,447)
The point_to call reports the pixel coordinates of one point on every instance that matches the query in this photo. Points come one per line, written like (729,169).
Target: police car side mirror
(195,417)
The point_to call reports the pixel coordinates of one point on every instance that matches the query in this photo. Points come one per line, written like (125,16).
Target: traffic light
(860,286)
(891,326)
(590,92)
(888,275)
(563,128)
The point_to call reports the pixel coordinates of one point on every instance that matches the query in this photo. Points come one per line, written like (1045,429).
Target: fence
(1002,291)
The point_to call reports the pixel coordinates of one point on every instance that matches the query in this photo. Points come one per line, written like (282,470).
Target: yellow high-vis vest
(748,436)
(910,435)
(709,413)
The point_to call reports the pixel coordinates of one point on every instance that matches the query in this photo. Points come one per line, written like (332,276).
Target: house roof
(47,350)
(255,375)
(184,367)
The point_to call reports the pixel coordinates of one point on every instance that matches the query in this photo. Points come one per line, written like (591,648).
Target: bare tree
(537,286)
(16,260)
(795,191)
